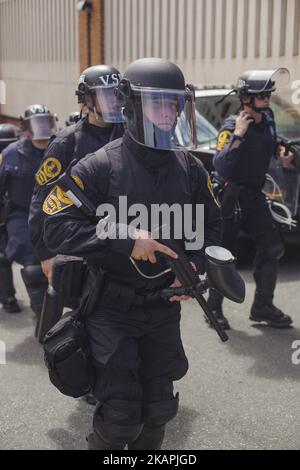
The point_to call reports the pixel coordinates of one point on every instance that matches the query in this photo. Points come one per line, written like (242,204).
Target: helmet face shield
(107,102)
(40,126)
(154,116)
(260,81)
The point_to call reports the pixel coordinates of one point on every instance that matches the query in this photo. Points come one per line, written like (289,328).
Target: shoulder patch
(49,170)
(223,139)
(58,200)
(1,159)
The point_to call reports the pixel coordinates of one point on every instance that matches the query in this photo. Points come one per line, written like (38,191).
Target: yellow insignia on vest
(49,170)
(1,159)
(58,200)
(223,139)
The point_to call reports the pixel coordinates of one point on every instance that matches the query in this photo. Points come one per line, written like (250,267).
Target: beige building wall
(212,40)
(39,59)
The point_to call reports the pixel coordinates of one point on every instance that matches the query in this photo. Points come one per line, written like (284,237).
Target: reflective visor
(107,102)
(41,126)
(155,115)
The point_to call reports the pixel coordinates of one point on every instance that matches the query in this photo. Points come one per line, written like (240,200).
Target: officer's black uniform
(8,135)
(73,142)
(20,162)
(136,347)
(244,207)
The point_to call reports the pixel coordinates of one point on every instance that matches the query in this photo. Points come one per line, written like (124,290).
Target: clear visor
(267,79)
(107,103)
(156,114)
(41,126)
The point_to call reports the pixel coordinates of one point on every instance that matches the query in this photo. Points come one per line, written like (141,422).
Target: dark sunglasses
(263,95)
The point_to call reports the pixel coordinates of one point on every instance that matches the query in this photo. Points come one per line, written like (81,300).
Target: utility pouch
(68,358)
(66,346)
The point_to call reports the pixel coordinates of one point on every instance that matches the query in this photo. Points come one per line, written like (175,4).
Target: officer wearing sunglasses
(246,143)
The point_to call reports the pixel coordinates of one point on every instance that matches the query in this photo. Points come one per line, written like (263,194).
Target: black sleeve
(212,218)
(67,230)
(227,157)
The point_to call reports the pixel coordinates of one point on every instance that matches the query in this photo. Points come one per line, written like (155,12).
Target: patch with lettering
(49,170)
(223,139)
(58,200)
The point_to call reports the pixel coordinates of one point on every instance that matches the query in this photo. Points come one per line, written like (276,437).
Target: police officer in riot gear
(20,162)
(73,118)
(246,143)
(136,343)
(8,134)
(99,126)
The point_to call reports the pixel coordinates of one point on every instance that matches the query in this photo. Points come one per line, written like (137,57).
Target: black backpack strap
(72,143)
(194,175)
(102,155)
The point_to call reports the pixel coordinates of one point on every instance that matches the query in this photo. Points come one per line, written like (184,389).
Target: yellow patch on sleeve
(49,170)
(223,139)
(1,159)
(58,200)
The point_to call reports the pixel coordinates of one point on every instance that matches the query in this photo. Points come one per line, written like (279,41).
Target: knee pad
(160,405)
(118,422)
(33,276)
(36,285)
(161,412)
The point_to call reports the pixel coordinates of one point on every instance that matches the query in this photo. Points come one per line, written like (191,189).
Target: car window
(206,133)
(215,111)
(287,117)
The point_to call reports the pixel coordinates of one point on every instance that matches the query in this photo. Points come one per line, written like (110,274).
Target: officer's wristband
(238,137)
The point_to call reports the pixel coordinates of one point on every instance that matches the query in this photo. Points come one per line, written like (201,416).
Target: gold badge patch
(49,170)
(1,159)
(223,139)
(58,200)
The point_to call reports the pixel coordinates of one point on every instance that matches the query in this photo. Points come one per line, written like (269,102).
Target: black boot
(214,302)
(11,305)
(263,309)
(271,315)
(149,439)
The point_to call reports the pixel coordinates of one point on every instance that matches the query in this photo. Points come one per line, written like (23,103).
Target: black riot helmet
(261,83)
(155,98)
(39,122)
(96,89)
(73,118)
(8,134)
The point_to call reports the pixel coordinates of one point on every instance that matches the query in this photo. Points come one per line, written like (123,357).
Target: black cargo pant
(255,219)
(138,355)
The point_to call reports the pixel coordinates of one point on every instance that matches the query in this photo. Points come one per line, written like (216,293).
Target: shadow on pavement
(178,430)
(79,426)
(271,350)
(28,352)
